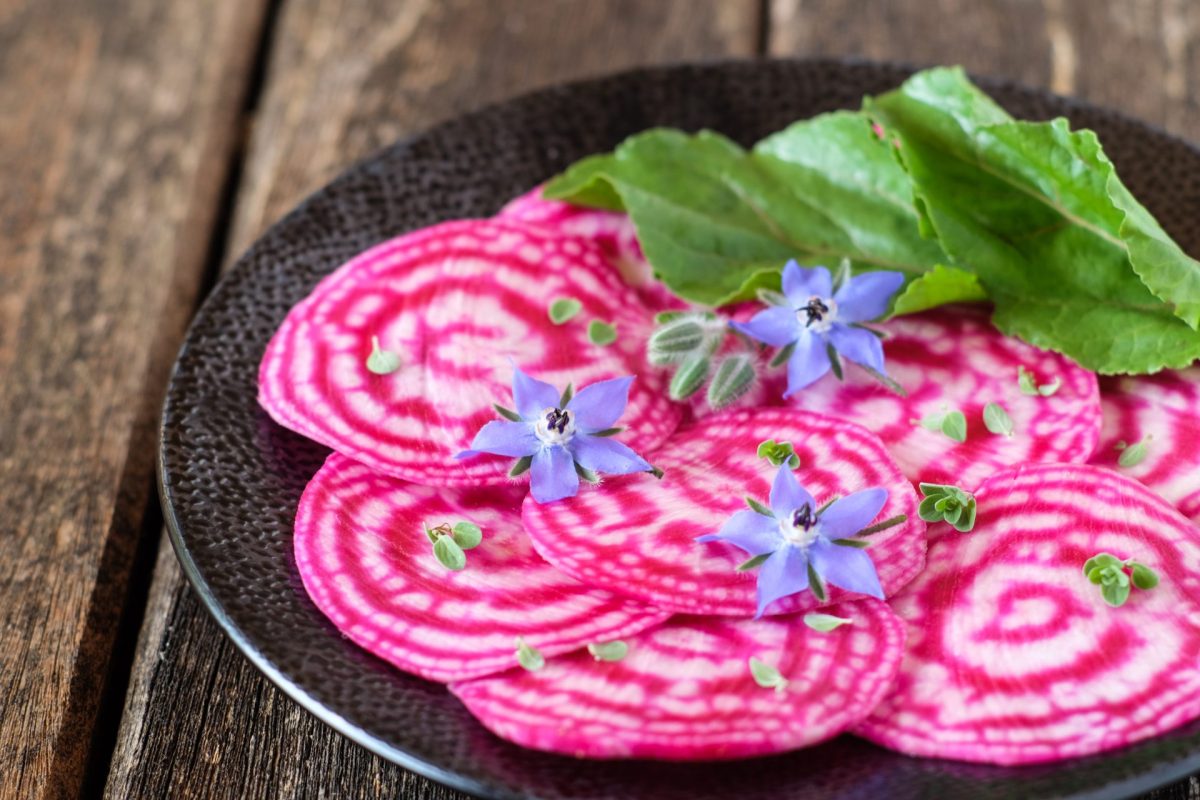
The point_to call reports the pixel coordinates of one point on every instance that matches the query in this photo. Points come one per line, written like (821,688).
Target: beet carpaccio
(619,519)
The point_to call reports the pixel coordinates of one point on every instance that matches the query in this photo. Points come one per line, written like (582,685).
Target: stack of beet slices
(597,626)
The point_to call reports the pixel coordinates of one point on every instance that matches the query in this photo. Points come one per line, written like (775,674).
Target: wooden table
(145,143)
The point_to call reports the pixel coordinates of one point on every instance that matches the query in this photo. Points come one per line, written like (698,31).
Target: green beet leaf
(1037,213)
(718,222)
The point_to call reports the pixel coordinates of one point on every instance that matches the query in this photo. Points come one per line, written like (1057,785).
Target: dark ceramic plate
(231,478)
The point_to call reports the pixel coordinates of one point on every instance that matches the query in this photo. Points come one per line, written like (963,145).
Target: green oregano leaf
(564,309)
(751,563)
(997,420)
(382,362)
(689,378)
(467,535)
(1115,593)
(1050,389)
(601,333)
(447,551)
(932,421)
(1134,454)
(432,535)
(1142,576)
(609,651)
(766,675)
(778,453)
(825,622)
(759,507)
(954,425)
(521,466)
(528,656)
(949,504)
(507,413)
(663,317)
(1026,382)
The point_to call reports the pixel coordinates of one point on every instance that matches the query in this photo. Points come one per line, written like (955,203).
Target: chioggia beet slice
(1015,657)
(612,230)
(454,307)
(369,566)
(1157,419)
(954,360)
(685,690)
(637,535)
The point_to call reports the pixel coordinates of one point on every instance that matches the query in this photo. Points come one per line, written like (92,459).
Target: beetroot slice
(367,564)
(954,358)
(1013,656)
(1164,411)
(636,535)
(455,303)
(685,690)
(612,230)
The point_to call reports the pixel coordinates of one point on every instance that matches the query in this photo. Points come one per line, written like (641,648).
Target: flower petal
(776,326)
(552,475)
(600,405)
(808,363)
(601,454)
(784,573)
(531,395)
(866,297)
(801,283)
(753,532)
(787,494)
(852,513)
(859,345)
(848,567)
(502,438)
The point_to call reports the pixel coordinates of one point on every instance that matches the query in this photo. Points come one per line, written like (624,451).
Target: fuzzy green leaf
(678,337)
(734,377)
(690,376)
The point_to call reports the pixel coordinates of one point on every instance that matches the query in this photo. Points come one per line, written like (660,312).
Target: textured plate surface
(231,478)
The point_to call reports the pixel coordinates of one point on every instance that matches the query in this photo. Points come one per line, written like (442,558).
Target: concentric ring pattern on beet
(456,304)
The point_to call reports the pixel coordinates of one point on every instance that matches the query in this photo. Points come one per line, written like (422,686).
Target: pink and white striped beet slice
(685,690)
(1163,410)
(635,535)
(612,230)
(459,303)
(954,358)
(1013,657)
(367,564)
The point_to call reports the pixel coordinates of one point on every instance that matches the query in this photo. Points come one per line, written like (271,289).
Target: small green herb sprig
(777,453)
(947,503)
(950,421)
(450,542)
(1117,577)
(688,342)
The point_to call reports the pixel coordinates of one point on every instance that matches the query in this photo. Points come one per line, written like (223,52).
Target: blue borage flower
(815,319)
(800,539)
(561,434)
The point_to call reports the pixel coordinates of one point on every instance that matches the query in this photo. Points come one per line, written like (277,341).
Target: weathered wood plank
(1139,56)
(344,79)
(118,126)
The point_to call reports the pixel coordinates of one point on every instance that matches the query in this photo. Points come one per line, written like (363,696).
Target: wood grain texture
(118,124)
(1138,56)
(344,79)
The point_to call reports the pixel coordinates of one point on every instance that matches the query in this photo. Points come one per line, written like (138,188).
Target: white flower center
(555,426)
(799,527)
(818,314)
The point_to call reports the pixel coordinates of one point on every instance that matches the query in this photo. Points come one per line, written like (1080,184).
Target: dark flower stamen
(816,311)
(557,419)
(804,517)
